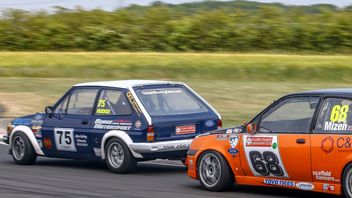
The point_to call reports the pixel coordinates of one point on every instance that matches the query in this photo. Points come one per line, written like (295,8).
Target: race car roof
(330,92)
(124,83)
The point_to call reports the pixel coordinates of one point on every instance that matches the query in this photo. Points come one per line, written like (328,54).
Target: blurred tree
(203,26)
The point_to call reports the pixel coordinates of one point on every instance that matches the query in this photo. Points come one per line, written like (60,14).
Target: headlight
(10,127)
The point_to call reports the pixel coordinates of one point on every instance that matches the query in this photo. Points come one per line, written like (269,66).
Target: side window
(335,116)
(113,102)
(61,108)
(293,115)
(82,101)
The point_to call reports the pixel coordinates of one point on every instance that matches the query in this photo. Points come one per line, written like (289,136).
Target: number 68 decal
(263,156)
(266,163)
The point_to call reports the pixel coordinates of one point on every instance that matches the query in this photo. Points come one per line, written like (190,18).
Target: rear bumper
(157,147)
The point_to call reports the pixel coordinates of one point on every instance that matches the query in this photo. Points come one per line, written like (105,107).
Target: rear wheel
(118,157)
(213,172)
(22,150)
(347,181)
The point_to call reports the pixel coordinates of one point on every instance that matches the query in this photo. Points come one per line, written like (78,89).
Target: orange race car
(302,141)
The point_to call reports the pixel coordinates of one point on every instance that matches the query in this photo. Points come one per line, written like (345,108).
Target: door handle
(301,141)
(84,121)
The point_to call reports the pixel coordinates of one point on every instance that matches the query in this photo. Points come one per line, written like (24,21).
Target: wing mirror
(251,128)
(49,110)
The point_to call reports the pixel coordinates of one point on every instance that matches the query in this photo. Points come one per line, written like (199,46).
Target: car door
(281,146)
(332,141)
(113,112)
(66,132)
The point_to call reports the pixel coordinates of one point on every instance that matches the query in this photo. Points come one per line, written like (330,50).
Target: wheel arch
(29,134)
(343,171)
(222,154)
(122,136)
(342,177)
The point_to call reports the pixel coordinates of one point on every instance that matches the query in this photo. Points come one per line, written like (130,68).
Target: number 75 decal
(64,139)
(263,156)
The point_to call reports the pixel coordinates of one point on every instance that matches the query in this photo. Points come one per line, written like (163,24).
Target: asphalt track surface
(72,178)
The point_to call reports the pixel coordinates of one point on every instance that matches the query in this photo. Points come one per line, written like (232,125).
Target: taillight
(150,133)
(219,123)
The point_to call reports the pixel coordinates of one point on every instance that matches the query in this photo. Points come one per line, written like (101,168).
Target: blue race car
(121,122)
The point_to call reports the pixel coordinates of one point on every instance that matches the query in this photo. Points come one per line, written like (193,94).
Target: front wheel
(22,150)
(118,157)
(213,172)
(347,181)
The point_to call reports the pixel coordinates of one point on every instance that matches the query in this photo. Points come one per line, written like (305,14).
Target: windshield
(170,101)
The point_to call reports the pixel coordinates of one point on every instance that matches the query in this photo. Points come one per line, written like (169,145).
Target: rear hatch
(176,112)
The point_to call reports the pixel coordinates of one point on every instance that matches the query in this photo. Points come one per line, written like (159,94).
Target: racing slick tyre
(347,181)
(22,150)
(213,172)
(119,158)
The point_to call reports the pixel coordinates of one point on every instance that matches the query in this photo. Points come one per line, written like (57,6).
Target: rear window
(170,101)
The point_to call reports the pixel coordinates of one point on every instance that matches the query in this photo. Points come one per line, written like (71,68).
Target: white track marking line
(156,163)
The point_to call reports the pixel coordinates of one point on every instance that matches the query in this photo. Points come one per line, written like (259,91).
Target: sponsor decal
(274,146)
(223,136)
(232,151)
(344,144)
(259,141)
(183,130)
(138,124)
(112,124)
(160,92)
(134,104)
(277,182)
(328,187)
(229,130)
(331,126)
(233,141)
(237,130)
(327,145)
(209,123)
(305,186)
(341,144)
(81,140)
(174,147)
(324,175)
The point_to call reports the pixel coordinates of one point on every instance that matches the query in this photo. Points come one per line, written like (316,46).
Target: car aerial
(301,141)
(121,122)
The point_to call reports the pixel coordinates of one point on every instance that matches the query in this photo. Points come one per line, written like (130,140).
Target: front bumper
(156,147)
(191,166)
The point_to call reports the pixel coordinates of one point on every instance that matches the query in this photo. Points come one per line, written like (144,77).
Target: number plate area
(184,130)
(263,156)
(64,139)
